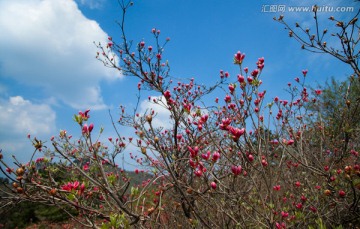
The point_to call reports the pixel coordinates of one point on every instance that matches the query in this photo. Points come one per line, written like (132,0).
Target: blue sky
(48,70)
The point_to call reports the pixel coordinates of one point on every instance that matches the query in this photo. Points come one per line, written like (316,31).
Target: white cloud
(19,117)
(162,115)
(50,44)
(92,4)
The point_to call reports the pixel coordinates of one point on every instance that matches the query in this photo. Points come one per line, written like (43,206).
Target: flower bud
(149,118)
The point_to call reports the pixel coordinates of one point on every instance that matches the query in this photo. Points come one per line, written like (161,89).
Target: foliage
(25,213)
(246,161)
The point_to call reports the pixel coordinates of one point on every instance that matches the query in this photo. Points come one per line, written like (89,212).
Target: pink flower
(215,156)
(213,185)
(264,162)
(38,160)
(236,132)
(318,92)
(167,94)
(9,170)
(342,193)
(241,78)
(91,127)
(206,156)
(290,142)
(70,186)
(66,187)
(303,198)
(82,188)
(255,73)
(204,118)
(192,163)
(280,225)
(85,129)
(277,187)
(231,88)
(76,184)
(313,209)
(238,58)
(304,72)
(236,170)
(284,214)
(193,151)
(198,173)
(227,99)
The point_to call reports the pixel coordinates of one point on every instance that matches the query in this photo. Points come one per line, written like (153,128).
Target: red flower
(85,129)
(241,78)
(342,193)
(255,73)
(206,156)
(264,162)
(290,142)
(277,187)
(215,156)
(239,57)
(318,92)
(236,170)
(198,173)
(167,94)
(91,127)
(284,214)
(304,72)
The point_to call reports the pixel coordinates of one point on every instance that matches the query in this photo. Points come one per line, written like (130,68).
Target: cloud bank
(49,44)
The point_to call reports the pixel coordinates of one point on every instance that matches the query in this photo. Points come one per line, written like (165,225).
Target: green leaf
(134,191)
